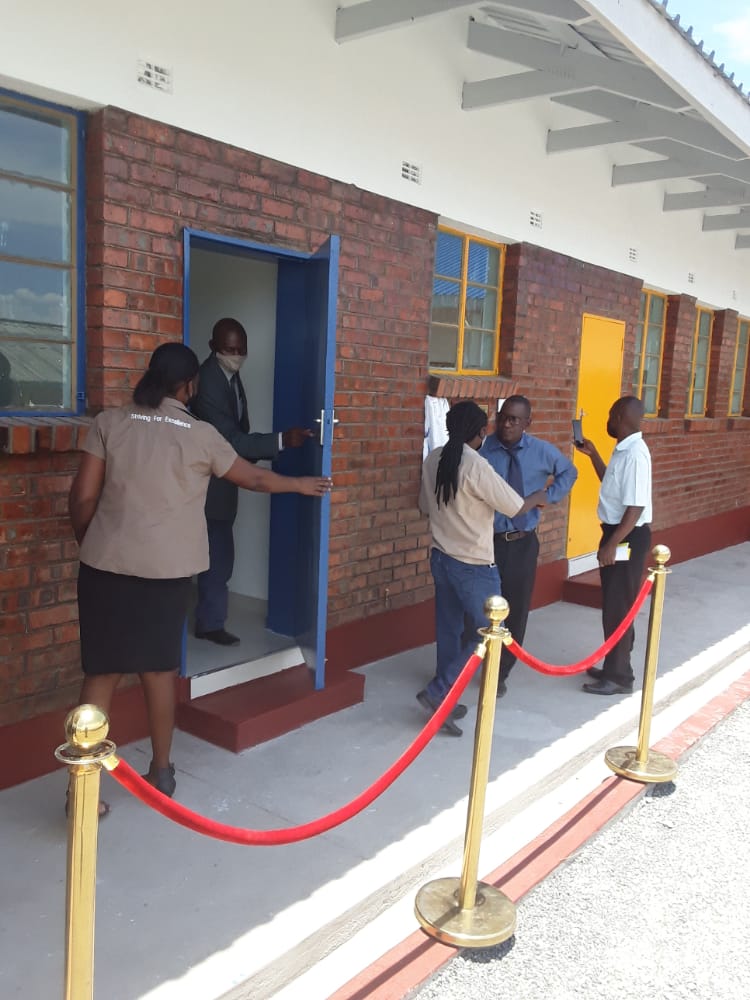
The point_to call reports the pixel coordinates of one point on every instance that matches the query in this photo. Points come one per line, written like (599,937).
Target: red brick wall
(545,295)
(701,466)
(39,659)
(147,181)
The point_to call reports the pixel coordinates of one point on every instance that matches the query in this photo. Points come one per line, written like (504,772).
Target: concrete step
(584,589)
(247,714)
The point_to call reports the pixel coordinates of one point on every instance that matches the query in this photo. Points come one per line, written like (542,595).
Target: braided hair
(464,421)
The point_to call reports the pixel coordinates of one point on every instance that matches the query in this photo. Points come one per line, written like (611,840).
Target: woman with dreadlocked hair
(460,493)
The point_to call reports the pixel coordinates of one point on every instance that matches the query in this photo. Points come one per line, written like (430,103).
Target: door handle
(322,421)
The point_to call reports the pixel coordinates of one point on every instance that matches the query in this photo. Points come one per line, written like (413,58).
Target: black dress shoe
(449,726)
(502,688)
(596,672)
(608,687)
(220,636)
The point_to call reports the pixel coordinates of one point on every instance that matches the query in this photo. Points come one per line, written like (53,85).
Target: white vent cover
(535,220)
(633,255)
(691,278)
(411,172)
(154,76)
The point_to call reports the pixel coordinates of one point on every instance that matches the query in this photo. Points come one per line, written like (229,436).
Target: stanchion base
(655,769)
(492,919)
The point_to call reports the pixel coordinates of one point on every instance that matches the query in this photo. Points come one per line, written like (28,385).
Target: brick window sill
(701,425)
(482,387)
(657,425)
(27,435)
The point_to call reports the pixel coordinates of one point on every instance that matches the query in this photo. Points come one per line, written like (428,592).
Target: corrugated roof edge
(687,33)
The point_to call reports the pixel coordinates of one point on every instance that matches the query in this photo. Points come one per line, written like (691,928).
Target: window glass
(739,373)
(35,221)
(38,273)
(448,259)
(699,364)
(443,346)
(479,348)
(481,308)
(33,145)
(649,341)
(465,304)
(484,263)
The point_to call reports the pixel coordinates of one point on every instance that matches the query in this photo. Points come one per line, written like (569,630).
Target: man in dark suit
(221,401)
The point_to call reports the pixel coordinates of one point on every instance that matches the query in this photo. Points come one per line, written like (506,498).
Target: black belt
(513,536)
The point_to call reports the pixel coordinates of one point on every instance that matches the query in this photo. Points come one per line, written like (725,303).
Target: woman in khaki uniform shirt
(137,510)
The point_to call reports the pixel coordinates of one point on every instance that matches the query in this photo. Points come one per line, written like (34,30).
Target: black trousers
(516,563)
(620,585)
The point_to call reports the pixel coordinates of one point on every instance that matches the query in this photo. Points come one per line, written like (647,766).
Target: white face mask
(231,362)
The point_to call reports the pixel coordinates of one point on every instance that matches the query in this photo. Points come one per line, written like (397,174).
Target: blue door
(303,397)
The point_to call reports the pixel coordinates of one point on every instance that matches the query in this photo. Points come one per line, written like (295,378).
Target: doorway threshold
(219,678)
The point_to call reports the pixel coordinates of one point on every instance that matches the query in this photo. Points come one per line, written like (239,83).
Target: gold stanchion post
(86,729)
(639,763)
(465,912)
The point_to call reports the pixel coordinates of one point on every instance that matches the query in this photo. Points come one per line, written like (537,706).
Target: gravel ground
(657,907)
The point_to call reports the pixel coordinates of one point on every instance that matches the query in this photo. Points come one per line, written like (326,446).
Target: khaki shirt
(149,521)
(464,528)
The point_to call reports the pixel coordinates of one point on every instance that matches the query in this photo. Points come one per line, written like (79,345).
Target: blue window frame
(42,257)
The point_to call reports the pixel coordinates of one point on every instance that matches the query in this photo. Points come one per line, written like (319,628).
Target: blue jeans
(213,592)
(460,590)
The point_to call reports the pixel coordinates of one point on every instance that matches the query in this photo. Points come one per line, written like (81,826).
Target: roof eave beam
(711,198)
(734,220)
(631,121)
(381,15)
(512,89)
(578,70)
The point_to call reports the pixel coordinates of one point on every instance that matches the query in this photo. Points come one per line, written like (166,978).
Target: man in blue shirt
(527,464)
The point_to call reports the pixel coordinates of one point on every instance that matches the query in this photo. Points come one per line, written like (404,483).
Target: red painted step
(583,589)
(248,714)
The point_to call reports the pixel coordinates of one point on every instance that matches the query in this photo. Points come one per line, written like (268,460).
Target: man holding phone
(625,513)
(527,464)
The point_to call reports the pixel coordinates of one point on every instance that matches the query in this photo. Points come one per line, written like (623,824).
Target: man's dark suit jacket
(216,403)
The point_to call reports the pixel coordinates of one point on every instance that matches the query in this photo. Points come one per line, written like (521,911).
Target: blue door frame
(303,397)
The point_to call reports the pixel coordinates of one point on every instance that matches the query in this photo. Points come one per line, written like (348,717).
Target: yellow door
(599,380)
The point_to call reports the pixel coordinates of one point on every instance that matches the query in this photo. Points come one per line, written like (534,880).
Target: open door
(303,397)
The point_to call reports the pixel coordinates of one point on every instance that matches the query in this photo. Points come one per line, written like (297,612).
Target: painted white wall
(269,77)
(245,289)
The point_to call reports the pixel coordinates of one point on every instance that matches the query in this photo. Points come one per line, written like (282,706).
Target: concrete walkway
(182,916)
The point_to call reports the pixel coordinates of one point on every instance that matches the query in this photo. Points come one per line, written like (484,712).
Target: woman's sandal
(162,778)
(104,807)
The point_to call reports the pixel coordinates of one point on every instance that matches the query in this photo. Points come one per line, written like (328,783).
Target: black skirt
(130,625)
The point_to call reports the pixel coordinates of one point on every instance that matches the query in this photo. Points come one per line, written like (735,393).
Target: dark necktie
(515,481)
(235,384)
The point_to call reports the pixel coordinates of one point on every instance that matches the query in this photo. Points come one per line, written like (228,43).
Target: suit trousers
(620,585)
(516,563)
(213,589)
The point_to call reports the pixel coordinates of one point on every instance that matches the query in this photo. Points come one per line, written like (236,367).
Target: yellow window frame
(699,312)
(648,293)
(743,325)
(466,238)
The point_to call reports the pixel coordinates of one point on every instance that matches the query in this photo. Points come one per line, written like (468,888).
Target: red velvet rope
(599,654)
(131,780)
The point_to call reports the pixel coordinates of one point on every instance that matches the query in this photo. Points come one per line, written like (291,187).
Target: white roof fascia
(648,33)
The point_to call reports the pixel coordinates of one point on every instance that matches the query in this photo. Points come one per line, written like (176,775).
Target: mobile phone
(577,431)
